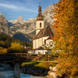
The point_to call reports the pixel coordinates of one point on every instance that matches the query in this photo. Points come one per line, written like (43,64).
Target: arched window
(40,24)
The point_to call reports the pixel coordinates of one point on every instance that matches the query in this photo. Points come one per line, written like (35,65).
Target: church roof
(44,32)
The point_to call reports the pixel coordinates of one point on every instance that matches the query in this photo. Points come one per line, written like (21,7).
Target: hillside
(22,37)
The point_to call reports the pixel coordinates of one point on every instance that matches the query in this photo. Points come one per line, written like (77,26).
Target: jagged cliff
(3,24)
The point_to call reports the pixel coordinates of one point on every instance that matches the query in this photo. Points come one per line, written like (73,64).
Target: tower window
(40,24)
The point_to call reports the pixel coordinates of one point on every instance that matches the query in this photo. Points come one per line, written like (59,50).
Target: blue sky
(11,9)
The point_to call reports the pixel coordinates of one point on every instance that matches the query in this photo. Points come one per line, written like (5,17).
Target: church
(43,36)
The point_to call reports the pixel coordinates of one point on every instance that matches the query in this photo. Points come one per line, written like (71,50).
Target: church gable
(44,32)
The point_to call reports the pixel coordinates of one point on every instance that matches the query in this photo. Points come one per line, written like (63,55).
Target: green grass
(27,63)
(52,64)
(39,64)
(36,64)
(45,64)
(42,65)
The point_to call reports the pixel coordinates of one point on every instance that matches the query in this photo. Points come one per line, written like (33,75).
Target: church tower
(39,20)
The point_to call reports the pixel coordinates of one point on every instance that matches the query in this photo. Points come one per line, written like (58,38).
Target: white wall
(34,44)
(39,42)
(41,51)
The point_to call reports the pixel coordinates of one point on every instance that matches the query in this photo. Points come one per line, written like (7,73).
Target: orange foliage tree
(66,36)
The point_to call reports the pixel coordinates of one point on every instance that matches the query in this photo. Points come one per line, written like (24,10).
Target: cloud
(15,7)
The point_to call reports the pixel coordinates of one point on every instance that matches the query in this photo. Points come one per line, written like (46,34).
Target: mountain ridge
(27,26)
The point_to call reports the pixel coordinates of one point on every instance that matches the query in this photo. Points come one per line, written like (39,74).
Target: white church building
(42,41)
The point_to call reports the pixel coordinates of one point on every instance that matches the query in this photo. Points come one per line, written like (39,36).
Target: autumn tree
(3,50)
(16,47)
(66,36)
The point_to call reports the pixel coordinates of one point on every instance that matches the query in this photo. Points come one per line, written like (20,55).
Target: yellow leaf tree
(66,36)
(16,47)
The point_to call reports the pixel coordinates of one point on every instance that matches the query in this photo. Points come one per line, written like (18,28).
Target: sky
(11,9)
